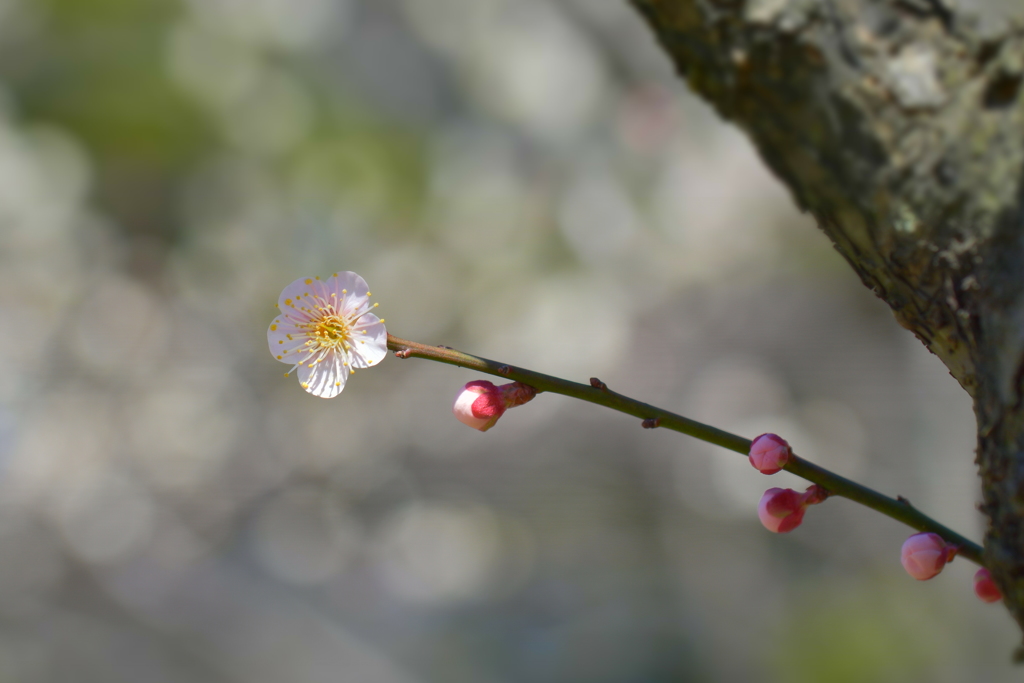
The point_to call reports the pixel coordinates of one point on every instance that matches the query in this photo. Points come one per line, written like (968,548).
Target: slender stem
(899,508)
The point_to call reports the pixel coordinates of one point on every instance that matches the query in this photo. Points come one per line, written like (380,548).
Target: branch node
(651,423)
(403,353)
(504,369)
(598,384)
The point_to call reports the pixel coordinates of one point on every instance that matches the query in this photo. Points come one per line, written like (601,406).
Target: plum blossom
(480,403)
(326,330)
(925,554)
(782,510)
(769,453)
(985,588)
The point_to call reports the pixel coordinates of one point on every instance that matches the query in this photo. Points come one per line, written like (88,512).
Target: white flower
(326,330)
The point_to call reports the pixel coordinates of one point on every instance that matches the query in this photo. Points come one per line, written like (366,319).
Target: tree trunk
(900,125)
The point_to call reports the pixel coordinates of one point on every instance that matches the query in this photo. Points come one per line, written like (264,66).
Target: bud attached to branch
(782,510)
(480,403)
(985,588)
(925,554)
(769,453)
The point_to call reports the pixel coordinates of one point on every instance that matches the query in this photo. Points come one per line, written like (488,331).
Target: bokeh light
(526,180)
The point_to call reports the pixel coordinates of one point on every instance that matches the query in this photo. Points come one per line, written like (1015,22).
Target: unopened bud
(768,453)
(925,554)
(480,403)
(782,510)
(985,588)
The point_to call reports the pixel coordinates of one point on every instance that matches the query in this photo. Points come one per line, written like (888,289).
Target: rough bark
(900,126)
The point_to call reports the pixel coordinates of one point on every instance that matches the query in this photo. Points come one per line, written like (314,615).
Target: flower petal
(466,402)
(325,330)
(326,378)
(294,292)
(285,341)
(349,289)
(924,555)
(370,343)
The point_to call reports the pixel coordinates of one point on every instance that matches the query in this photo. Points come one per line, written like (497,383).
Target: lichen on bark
(899,124)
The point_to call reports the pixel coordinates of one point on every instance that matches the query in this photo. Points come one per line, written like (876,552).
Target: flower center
(331,330)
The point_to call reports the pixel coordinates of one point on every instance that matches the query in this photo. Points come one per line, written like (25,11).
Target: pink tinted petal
(466,400)
(780,510)
(350,290)
(294,293)
(292,353)
(768,453)
(781,502)
(372,347)
(924,555)
(346,279)
(281,346)
(375,330)
(780,524)
(325,379)
(369,325)
(790,522)
(487,405)
(985,588)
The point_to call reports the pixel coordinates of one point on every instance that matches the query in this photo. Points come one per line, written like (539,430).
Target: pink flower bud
(924,555)
(782,510)
(481,403)
(768,453)
(985,588)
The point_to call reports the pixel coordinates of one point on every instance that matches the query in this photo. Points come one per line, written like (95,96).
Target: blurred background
(521,179)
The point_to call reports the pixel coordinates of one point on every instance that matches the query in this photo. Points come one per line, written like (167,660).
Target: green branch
(597,392)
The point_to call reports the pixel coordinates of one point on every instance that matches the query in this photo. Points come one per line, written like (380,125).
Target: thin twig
(597,392)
